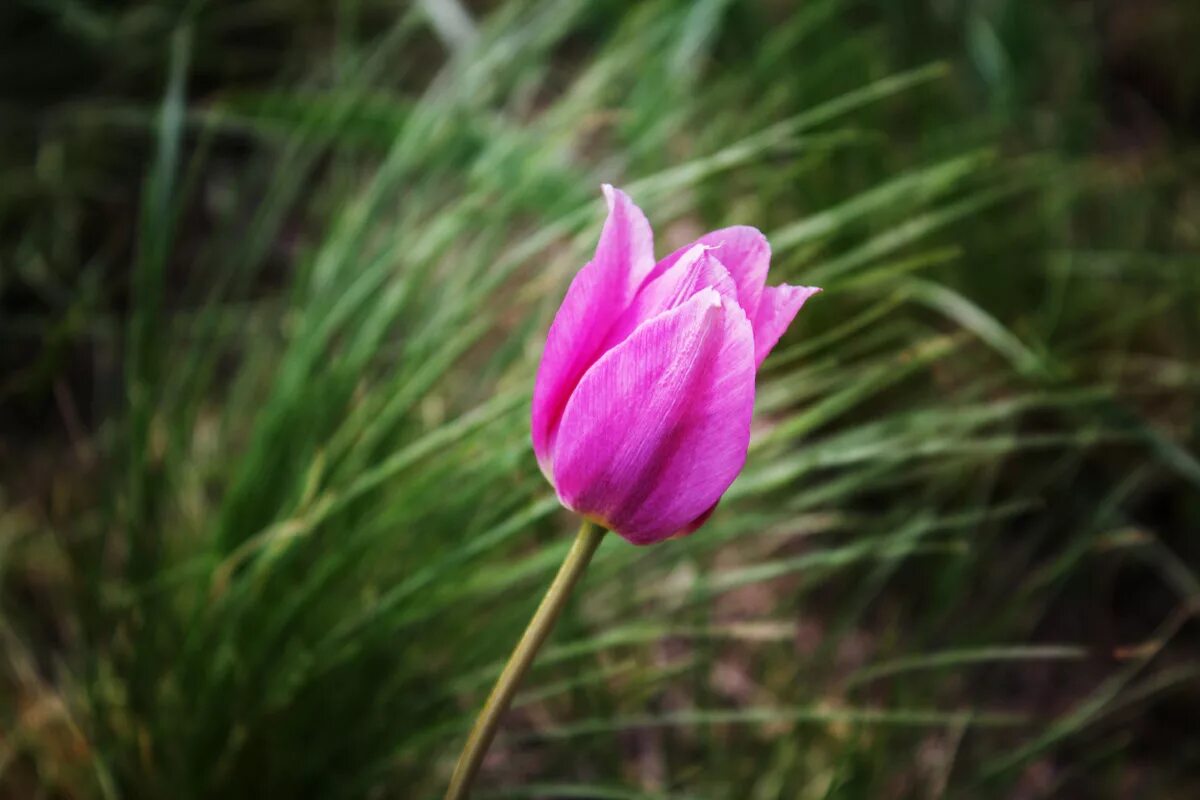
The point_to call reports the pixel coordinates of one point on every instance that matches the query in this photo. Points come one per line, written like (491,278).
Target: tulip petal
(696,270)
(598,295)
(658,428)
(776,312)
(696,524)
(745,253)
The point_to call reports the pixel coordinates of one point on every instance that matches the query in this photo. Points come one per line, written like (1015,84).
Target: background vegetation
(274,279)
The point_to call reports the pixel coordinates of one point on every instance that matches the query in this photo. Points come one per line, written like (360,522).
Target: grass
(298,525)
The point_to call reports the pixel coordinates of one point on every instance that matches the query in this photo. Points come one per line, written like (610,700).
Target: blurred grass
(281,275)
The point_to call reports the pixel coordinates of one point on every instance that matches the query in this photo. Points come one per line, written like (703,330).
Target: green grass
(293,544)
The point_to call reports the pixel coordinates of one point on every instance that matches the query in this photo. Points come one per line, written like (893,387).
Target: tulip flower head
(643,399)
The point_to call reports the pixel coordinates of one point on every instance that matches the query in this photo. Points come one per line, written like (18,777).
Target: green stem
(539,627)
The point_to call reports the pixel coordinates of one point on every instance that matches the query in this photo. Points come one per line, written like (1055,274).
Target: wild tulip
(642,404)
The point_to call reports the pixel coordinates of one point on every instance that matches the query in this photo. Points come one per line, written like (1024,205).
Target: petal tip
(779,307)
(803,292)
(710,298)
(613,195)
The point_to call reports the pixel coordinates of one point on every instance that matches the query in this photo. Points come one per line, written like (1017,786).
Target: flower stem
(539,627)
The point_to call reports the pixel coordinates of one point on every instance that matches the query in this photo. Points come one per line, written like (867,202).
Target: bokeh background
(274,280)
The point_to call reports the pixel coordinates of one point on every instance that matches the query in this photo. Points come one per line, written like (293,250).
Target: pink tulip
(643,400)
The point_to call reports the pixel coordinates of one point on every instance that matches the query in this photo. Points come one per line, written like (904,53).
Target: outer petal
(598,295)
(745,253)
(775,313)
(696,524)
(659,427)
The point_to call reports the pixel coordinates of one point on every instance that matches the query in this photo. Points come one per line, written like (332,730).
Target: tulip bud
(643,399)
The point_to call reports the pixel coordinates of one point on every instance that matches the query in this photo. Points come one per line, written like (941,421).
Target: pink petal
(775,313)
(598,295)
(745,253)
(696,270)
(696,524)
(626,243)
(658,428)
